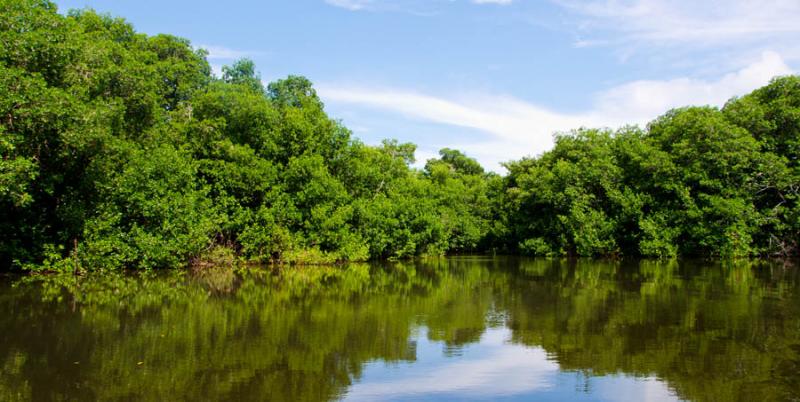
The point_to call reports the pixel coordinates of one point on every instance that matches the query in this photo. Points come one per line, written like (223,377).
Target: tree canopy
(123,150)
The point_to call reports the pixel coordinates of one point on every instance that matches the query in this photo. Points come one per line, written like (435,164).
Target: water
(449,329)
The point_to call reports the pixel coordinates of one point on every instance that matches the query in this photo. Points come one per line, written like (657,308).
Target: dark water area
(464,328)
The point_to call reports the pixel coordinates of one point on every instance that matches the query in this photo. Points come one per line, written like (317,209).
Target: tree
(243,72)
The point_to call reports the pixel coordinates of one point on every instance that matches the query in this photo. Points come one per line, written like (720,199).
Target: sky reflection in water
(494,369)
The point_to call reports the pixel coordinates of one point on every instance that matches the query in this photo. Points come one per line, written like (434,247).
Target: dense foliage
(697,181)
(123,150)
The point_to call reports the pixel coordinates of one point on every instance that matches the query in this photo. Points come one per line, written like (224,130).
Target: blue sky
(495,78)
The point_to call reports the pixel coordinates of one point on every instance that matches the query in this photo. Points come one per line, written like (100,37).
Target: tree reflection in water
(707,331)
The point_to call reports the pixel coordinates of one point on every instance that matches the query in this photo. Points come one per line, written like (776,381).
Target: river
(459,328)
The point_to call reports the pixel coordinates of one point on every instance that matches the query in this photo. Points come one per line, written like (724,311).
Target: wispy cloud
(220,55)
(413,6)
(642,100)
(500,2)
(739,27)
(515,128)
(352,5)
(224,53)
(688,21)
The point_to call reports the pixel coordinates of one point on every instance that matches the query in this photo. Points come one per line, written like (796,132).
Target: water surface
(447,329)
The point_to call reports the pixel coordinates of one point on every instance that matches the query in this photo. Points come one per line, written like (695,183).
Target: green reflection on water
(711,332)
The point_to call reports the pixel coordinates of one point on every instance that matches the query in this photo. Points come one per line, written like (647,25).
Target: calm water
(450,329)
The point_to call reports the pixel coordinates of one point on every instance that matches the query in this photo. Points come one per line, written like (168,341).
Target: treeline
(698,181)
(123,150)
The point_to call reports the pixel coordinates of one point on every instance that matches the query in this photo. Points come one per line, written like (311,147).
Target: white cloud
(414,6)
(224,53)
(504,117)
(500,2)
(516,128)
(423,8)
(698,22)
(352,5)
(216,69)
(640,101)
(220,55)
(704,29)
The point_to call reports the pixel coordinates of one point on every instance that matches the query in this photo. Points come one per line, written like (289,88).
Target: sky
(493,78)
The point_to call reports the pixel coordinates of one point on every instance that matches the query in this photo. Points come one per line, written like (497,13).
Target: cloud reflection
(497,368)
(492,369)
